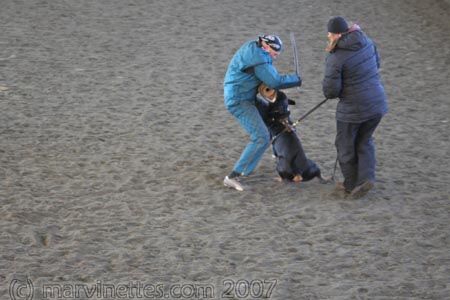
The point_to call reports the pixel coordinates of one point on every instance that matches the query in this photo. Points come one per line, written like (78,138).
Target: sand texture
(114,142)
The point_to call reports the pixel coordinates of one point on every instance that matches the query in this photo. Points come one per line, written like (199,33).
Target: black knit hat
(337,25)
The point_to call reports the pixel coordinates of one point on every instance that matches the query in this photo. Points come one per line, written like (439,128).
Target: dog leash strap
(310,111)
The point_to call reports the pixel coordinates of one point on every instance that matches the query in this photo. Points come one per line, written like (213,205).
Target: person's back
(352,75)
(240,82)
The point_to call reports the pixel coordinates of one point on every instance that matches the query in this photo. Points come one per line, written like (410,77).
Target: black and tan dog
(292,163)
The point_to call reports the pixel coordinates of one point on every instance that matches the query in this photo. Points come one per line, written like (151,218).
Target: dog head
(267,93)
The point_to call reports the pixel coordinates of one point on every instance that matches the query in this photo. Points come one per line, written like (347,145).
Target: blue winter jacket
(249,67)
(351,73)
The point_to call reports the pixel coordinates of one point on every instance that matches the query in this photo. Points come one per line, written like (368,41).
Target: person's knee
(264,142)
(262,139)
(346,153)
(365,146)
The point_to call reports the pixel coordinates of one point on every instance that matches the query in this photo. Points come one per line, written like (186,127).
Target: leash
(300,119)
(334,171)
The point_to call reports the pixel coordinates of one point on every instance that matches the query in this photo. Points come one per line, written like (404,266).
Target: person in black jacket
(292,163)
(351,74)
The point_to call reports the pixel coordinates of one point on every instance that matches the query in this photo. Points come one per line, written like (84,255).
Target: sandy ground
(114,142)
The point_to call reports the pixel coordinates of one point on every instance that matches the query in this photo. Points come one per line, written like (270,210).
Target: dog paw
(297,178)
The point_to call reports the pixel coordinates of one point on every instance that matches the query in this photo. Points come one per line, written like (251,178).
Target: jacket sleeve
(269,75)
(332,81)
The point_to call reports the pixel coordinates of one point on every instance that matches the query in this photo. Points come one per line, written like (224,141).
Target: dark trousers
(356,151)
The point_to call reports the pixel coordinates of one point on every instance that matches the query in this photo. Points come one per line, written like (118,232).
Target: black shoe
(361,190)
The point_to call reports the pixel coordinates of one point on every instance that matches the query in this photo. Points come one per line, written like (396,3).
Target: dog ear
(291,102)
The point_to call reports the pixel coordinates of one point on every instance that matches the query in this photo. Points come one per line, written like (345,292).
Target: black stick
(295,53)
(301,118)
(309,112)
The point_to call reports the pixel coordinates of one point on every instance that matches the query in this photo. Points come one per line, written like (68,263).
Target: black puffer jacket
(351,73)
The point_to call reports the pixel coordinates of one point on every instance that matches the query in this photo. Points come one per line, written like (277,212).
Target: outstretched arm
(270,76)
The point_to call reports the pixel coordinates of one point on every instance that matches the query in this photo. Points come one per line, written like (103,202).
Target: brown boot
(340,187)
(362,189)
(340,191)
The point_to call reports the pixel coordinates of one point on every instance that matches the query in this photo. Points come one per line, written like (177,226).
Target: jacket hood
(353,40)
(256,55)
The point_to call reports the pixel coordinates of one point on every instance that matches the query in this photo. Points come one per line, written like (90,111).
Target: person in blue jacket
(351,74)
(250,66)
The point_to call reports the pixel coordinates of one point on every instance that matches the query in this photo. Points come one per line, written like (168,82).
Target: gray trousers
(356,151)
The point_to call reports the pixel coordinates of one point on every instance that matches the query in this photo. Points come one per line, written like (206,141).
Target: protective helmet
(273,41)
